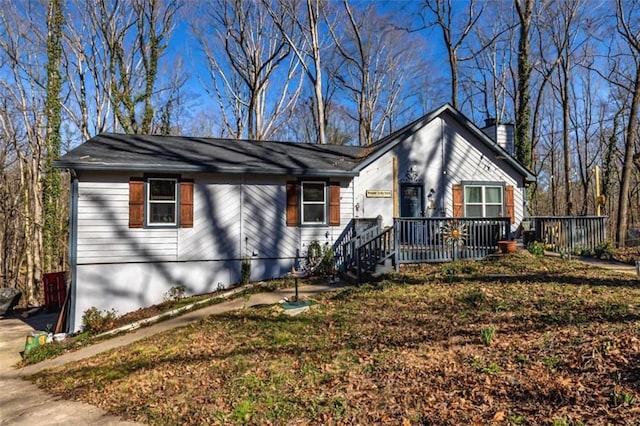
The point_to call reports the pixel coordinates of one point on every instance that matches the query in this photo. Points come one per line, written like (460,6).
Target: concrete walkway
(22,403)
(611,265)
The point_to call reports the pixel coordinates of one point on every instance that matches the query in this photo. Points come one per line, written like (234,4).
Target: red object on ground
(55,290)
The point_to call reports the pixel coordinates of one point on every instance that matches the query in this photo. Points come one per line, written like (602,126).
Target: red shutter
(136,203)
(509,203)
(458,200)
(186,204)
(292,204)
(334,204)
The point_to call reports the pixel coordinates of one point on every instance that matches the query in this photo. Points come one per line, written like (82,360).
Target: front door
(411,205)
(411,200)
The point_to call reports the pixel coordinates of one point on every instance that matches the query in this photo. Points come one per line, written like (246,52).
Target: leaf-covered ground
(414,349)
(627,255)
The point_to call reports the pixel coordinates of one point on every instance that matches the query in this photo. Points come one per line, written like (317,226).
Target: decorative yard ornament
(455,234)
(412,176)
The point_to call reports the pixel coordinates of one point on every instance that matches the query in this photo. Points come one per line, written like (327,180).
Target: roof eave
(199,169)
(397,136)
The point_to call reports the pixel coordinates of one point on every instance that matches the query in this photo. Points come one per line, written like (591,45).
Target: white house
(152,212)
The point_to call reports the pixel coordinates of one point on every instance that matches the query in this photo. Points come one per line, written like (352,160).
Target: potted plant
(507,246)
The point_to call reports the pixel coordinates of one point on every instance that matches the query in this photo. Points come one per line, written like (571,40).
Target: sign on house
(378,193)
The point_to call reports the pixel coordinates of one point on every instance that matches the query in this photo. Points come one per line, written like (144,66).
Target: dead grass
(407,350)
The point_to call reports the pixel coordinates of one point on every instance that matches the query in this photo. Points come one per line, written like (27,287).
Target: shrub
(536,248)
(97,321)
(175,293)
(603,251)
(582,251)
(326,266)
(319,259)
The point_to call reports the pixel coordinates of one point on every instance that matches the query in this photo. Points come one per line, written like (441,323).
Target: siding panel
(103,227)
(264,221)
(216,223)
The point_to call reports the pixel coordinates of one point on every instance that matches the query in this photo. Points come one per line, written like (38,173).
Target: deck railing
(569,233)
(418,240)
(423,239)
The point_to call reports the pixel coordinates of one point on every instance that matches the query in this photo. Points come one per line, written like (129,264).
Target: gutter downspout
(73,250)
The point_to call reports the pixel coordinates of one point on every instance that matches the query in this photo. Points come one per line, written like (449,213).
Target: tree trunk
(629,148)
(53,234)
(317,83)
(523,113)
(566,145)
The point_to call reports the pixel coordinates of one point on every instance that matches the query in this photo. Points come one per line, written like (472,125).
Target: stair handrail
(346,244)
(385,249)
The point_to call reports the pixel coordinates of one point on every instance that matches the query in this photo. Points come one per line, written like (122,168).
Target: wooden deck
(422,240)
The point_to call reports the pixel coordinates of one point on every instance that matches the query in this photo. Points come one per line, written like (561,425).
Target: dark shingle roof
(110,151)
(148,153)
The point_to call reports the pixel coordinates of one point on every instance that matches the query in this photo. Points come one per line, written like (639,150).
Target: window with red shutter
(334,204)
(136,203)
(186,204)
(154,201)
(292,204)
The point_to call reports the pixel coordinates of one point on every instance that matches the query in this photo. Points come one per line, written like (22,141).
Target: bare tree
(12,253)
(453,40)
(374,60)
(134,34)
(22,119)
(86,62)
(628,26)
(487,80)
(566,27)
(300,26)
(251,66)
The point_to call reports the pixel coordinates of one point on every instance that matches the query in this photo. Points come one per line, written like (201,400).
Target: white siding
(442,153)
(216,226)
(103,225)
(377,176)
(126,269)
(470,160)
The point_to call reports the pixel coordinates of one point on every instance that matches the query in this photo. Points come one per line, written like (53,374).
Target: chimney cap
(489,121)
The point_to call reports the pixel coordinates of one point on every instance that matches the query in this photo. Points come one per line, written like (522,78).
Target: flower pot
(507,246)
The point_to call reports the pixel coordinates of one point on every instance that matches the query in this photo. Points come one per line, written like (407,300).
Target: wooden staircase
(369,251)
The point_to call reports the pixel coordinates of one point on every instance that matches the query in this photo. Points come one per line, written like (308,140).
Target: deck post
(358,273)
(396,245)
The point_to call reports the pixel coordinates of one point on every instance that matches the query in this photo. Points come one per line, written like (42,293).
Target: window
(314,204)
(483,201)
(478,199)
(162,201)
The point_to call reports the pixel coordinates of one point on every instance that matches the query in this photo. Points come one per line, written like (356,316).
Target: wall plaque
(378,193)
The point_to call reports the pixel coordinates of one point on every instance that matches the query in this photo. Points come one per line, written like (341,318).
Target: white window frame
(483,203)
(303,203)
(149,202)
